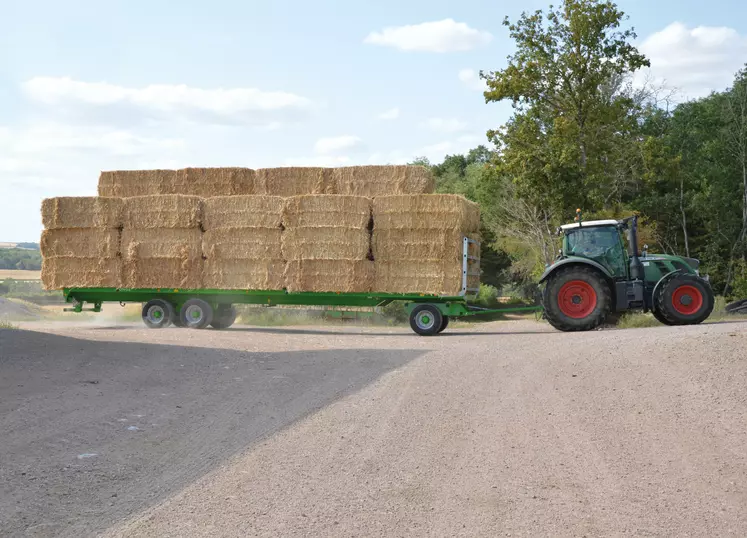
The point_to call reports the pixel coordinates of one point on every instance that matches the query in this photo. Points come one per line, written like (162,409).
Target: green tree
(573,107)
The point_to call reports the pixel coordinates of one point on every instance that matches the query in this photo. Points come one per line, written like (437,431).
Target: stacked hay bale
(418,242)
(80,242)
(295,180)
(326,242)
(203,182)
(162,242)
(383,180)
(242,243)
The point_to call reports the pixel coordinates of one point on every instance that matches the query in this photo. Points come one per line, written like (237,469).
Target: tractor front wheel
(684,300)
(577,298)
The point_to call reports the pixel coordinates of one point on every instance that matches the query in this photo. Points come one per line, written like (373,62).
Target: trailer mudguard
(574,260)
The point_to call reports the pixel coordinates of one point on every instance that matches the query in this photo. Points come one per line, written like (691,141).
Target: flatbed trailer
(199,308)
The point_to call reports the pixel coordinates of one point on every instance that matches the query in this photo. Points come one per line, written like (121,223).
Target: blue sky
(88,86)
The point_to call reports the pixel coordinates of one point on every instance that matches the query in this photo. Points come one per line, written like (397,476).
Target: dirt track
(511,429)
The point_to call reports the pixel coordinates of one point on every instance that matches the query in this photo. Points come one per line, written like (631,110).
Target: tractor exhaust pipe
(636,267)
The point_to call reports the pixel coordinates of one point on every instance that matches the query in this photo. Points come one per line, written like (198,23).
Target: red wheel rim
(577,299)
(687,300)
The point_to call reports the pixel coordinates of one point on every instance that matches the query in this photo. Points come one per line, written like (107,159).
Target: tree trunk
(684,217)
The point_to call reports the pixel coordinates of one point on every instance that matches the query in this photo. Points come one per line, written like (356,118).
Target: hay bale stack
(417,242)
(242,242)
(126,183)
(295,180)
(344,276)
(80,244)
(377,180)
(326,242)
(162,242)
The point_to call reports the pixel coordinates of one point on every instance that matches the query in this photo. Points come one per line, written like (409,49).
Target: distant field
(19,275)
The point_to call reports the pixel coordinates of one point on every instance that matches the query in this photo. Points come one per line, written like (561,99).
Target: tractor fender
(578,261)
(657,287)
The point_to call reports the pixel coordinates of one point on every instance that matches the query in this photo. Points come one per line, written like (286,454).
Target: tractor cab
(600,241)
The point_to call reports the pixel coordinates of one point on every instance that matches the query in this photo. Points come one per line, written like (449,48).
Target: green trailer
(202,308)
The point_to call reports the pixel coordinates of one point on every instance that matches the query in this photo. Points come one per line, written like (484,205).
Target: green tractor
(596,275)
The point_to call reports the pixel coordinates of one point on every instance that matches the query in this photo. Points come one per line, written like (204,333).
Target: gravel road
(510,429)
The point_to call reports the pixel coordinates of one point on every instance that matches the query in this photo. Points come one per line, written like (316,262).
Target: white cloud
(472,80)
(445,125)
(102,102)
(694,60)
(338,144)
(438,36)
(391,114)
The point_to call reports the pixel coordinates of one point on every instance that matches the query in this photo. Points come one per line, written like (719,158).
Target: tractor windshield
(601,244)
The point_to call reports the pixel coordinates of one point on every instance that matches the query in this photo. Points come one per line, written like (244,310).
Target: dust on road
(510,429)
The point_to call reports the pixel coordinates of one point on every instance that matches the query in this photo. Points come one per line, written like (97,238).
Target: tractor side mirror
(645,250)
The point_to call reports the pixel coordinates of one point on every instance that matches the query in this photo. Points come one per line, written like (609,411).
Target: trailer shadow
(92,432)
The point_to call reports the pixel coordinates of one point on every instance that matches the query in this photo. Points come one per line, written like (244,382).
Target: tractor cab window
(601,244)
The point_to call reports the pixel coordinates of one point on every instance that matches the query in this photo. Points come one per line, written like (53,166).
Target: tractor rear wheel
(577,298)
(685,300)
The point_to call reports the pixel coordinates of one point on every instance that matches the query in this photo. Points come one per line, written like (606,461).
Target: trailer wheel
(426,320)
(196,314)
(685,300)
(157,314)
(224,317)
(444,324)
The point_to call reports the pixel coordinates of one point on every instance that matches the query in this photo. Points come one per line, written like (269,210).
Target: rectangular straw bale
(420,244)
(434,277)
(243,212)
(242,244)
(77,272)
(344,276)
(327,211)
(326,243)
(80,242)
(383,180)
(208,182)
(161,243)
(81,212)
(432,211)
(126,183)
(163,211)
(244,274)
(174,273)
(295,180)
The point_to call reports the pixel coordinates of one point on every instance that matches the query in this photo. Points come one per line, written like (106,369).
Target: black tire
(577,298)
(177,321)
(685,300)
(444,324)
(157,314)
(661,319)
(426,320)
(224,317)
(737,307)
(196,314)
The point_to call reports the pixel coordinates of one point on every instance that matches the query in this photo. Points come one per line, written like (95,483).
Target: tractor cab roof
(589,224)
